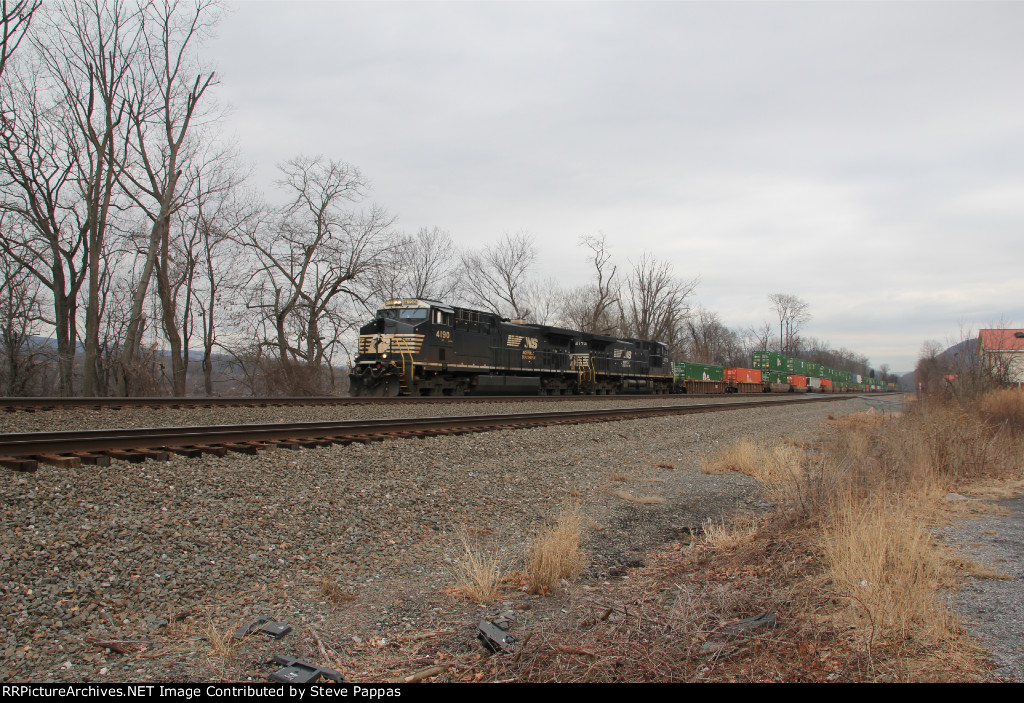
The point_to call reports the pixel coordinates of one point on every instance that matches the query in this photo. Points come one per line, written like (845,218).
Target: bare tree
(496,276)
(219,221)
(792,313)
(38,157)
(544,298)
(591,308)
(16,18)
(931,369)
(88,51)
(758,338)
(656,305)
(20,319)
(316,257)
(883,373)
(710,341)
(422,265)
(169,87)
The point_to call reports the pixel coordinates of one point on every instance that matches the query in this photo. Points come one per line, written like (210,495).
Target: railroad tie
(134,456)
(188,452)
(93,459)
(64,462)
(155,454)
(240,448)
(216,450)
(19,463)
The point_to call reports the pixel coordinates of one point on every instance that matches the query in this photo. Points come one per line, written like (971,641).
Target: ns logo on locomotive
(424,347)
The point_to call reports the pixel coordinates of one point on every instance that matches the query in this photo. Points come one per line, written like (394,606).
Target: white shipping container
(856,378)
(814,382)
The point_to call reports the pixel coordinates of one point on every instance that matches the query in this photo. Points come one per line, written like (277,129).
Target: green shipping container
(685,371)
(775,377)
(769,361)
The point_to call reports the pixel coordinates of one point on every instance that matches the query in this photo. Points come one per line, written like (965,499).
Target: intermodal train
(427,348)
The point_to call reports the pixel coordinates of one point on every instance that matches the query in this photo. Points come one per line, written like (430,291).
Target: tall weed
(556,553)
(881,557)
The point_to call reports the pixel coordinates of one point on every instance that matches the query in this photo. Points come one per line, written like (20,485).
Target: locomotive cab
(391,345)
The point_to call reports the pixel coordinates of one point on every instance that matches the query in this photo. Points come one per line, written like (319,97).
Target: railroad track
(23,452)
(57,403)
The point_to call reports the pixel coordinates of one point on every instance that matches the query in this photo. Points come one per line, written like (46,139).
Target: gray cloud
(865,156)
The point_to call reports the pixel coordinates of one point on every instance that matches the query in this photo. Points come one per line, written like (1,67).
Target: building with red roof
(1002,352)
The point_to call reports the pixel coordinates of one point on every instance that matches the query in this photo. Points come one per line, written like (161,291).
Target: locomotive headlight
(383,356)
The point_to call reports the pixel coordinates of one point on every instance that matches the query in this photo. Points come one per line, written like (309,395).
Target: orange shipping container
(737,375)
(798,381)
(826,383)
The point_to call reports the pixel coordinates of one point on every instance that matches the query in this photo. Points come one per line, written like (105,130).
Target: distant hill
(952,354)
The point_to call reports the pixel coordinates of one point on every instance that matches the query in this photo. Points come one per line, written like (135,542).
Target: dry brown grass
(643,500)
(740,456)
(772,464)
(478,572)
(334,593)
(1004,408)
(722,536)
(882,558)
(556,553)
(974,568)
(621,476)
(995,488)
(879,484)
(222,644)
(847,564)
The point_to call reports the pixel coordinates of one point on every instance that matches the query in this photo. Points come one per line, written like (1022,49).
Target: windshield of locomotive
(413,315)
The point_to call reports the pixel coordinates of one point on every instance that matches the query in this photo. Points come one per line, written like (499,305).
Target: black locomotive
(424,347)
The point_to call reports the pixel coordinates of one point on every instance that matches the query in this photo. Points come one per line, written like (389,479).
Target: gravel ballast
(351,546)
(90,419)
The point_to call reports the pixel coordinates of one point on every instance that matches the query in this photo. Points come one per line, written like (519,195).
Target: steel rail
(106,403)
(41,445)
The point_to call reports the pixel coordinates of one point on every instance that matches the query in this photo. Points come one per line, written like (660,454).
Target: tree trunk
(132,338)
(168,307)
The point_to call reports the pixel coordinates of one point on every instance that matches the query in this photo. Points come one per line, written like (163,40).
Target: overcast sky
(867,157)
